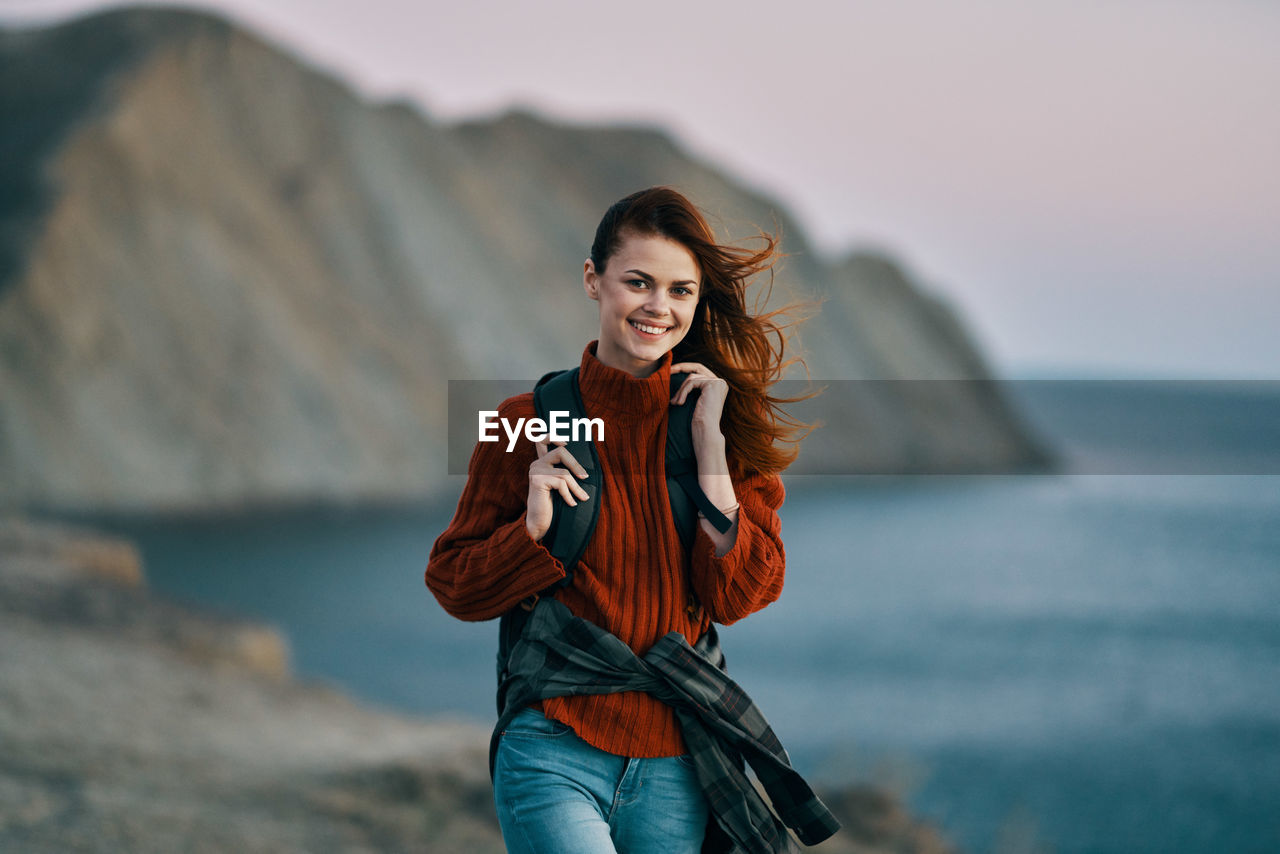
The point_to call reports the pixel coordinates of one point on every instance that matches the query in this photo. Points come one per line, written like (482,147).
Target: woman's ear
(590,280)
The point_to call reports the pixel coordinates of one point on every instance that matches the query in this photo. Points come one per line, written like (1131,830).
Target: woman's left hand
(710,406)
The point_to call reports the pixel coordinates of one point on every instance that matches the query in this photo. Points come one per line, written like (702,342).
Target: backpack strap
(683,489)
(571,527)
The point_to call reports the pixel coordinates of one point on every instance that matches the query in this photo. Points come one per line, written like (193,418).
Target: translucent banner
(936,427)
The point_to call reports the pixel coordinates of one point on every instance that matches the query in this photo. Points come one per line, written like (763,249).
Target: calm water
(1086,662)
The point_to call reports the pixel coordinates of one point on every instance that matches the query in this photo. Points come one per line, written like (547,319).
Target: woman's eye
(638,282)
(684,292)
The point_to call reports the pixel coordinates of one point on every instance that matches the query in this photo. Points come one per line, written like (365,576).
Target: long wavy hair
(745,349)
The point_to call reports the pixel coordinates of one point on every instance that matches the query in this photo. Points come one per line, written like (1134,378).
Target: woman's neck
(614,388)
(622,362)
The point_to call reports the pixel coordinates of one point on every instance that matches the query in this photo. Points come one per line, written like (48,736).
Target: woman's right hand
(547,476)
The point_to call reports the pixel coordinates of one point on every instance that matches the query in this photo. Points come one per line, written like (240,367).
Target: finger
(690,383)
(691,368)
(542,449)
(578,490)
(563,489)
(562,455)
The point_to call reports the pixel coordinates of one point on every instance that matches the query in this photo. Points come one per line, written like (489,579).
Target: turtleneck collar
(606,389)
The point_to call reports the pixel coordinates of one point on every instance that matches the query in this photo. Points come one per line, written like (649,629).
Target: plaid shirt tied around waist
(559,654)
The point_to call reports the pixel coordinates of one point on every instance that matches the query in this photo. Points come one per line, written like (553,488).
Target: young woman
(611,771)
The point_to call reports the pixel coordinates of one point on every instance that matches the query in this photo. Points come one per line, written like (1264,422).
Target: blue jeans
(556,794)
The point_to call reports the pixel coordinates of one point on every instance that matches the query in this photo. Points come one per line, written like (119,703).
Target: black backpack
(572,527)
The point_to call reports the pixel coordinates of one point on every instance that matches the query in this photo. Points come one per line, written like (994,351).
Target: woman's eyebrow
(644,275)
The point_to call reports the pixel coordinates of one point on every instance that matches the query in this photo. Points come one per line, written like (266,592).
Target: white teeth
(652,330)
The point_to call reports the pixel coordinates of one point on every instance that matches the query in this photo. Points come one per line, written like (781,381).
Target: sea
(1082,662)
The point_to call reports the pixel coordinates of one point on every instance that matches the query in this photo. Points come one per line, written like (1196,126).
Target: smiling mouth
(647,330)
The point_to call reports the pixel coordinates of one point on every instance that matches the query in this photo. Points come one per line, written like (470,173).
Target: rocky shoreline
(132,723)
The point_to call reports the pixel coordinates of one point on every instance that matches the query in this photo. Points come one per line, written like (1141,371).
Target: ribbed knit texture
(634,579)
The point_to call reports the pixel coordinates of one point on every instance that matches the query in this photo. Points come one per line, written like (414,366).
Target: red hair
(745,349)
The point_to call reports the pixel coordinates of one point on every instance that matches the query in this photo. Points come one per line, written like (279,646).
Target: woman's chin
(653,354)
(646,351)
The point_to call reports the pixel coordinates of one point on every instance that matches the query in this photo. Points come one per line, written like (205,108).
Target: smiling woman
(647,299)
(618,728)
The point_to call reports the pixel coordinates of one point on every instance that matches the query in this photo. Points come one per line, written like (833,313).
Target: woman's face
(647,295)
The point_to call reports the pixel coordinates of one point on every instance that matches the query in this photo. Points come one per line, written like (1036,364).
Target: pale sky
(1095,186)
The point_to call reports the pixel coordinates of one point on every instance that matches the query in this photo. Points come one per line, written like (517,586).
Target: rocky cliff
(131,723)
(227,279)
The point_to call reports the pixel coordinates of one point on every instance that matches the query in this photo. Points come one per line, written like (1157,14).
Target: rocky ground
(130,723)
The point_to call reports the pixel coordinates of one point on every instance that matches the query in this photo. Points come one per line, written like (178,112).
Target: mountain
(226,280)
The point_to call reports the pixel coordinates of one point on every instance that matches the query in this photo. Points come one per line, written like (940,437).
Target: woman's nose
(657,302)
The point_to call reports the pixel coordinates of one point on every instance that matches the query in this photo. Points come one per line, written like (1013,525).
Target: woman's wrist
(709,440)
(711,454)
(727,511)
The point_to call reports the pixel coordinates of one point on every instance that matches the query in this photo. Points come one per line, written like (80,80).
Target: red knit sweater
(634,578)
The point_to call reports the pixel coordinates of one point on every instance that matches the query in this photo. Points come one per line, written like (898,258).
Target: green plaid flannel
(559,654)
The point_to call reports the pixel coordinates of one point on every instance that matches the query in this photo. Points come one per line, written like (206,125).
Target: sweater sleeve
(485,562)
(749,576)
